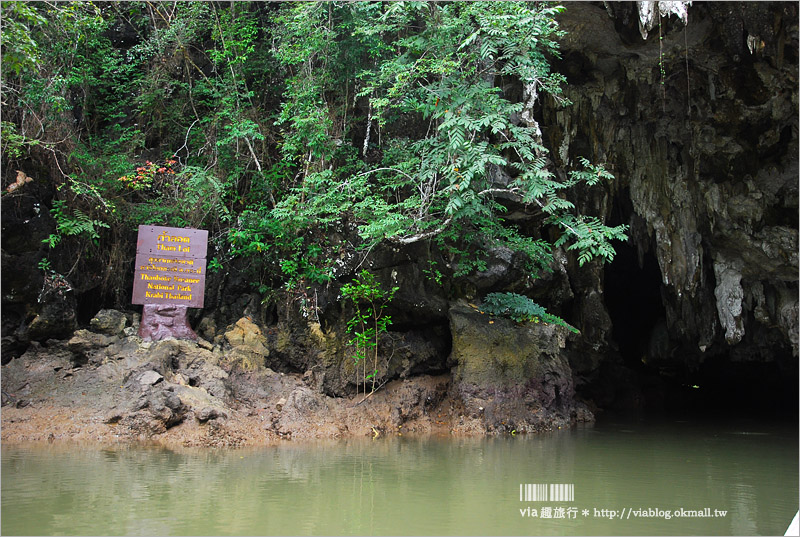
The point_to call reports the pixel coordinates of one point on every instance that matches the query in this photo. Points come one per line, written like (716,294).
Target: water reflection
(413,486)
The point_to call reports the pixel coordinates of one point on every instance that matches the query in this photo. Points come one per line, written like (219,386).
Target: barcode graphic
(543,492)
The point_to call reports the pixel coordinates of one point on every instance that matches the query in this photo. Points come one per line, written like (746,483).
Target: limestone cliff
(695,111)
(699,123)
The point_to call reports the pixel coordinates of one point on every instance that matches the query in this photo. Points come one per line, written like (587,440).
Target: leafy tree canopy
(272,124)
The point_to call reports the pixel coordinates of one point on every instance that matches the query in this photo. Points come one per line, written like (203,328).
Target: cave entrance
(633,299)
(718,384)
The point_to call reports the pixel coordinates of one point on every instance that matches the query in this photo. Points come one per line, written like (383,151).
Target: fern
(521,309)
(66,225)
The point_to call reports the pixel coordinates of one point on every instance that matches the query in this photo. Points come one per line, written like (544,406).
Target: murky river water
(652,477)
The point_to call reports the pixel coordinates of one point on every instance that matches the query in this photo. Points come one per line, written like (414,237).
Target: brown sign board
(150,287)
(172,241)
(170,266)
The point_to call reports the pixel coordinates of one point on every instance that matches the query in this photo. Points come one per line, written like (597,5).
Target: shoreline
(42,424)
(111,390)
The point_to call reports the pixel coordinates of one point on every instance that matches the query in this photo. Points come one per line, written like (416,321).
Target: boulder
(248,346)
(109,322)
(196,366)
(89,347)
(148,378)
(208,413)
(514,376)
(153,412)
(56,320)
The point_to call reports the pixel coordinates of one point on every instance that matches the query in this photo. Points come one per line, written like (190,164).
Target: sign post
(169,278)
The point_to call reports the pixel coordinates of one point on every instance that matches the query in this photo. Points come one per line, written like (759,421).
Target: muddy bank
(48,399)
(115,388)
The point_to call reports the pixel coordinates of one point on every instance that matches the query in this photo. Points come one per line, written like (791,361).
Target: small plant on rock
(367,323)
(521,309)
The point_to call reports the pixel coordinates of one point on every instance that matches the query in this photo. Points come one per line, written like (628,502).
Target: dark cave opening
(633,299)
(751,388)
(671,378)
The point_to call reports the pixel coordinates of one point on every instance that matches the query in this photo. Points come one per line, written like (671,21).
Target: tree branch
(385,169)
(421,236)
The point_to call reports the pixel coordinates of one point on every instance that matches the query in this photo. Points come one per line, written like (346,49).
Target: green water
(419,486)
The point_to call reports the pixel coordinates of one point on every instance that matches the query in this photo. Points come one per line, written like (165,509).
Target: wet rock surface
(106,388)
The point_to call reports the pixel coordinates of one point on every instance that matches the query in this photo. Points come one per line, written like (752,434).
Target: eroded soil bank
(48,400)
(109,389)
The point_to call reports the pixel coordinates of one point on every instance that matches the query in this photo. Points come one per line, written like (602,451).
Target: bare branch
(511,191)
(421,236)
(186,140)
(385,169)
(252,153)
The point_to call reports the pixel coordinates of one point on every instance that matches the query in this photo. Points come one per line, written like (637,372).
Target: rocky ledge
(105,384)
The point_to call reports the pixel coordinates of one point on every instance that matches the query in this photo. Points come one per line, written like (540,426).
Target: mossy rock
(495,351)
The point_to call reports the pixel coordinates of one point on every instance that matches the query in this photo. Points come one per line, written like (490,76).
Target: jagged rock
(499,269)
(248,344)
(207,328)
(413,400)
(209,413)
(11,348)
(198,366)
(84,340)
(149,378)
(301,405)
(154,412)
(56,320)
(109,322)
(90,347)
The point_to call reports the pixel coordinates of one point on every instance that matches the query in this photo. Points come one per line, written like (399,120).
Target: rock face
(515,377)
(700,130)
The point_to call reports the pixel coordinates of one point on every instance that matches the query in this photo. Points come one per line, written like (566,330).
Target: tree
(273,123)
(451,72)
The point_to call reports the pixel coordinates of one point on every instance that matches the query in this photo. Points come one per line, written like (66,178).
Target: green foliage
(368,322)
(440,67)
(297,258)
(284,127)
(432,273)
(214,265)
(20,49)
(13,144)
(521,309)
(71,225)
(44,265)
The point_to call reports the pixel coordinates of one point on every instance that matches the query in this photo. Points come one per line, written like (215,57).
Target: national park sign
(170,266)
